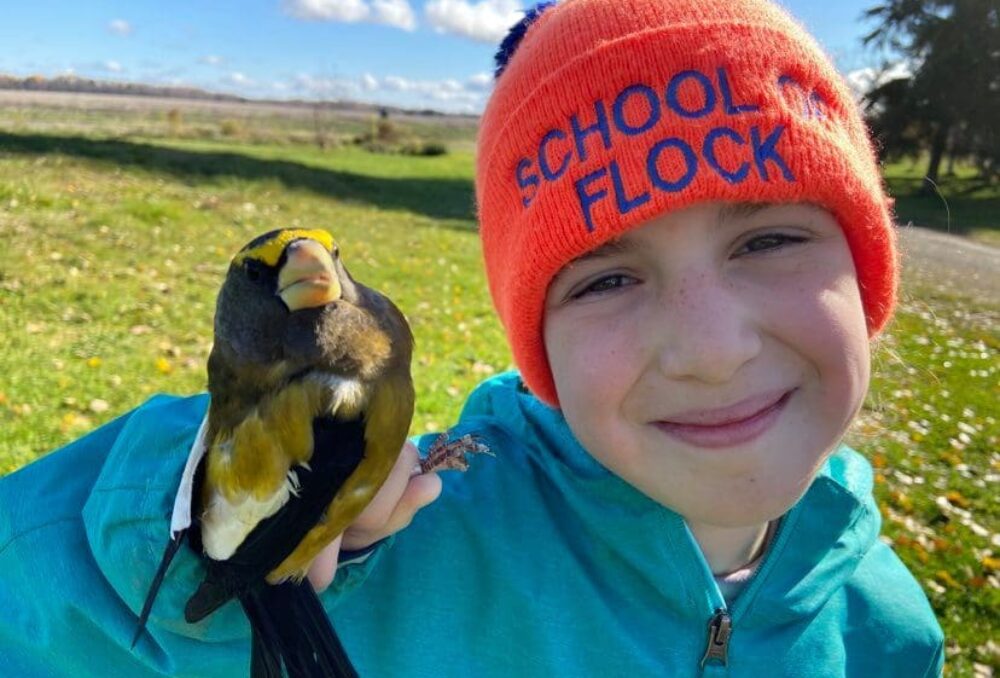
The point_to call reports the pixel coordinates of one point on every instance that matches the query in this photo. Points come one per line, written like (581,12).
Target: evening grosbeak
(311,401)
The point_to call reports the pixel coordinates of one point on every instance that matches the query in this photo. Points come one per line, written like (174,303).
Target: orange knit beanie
(607,113)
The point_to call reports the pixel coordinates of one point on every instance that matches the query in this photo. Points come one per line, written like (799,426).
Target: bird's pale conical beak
(308,278)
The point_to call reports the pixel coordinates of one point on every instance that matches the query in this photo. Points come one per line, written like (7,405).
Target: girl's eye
(769,242)
(605,284)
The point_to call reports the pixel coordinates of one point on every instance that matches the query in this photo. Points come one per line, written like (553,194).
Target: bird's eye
(254,270)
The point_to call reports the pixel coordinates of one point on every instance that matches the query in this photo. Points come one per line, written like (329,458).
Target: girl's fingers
(420,491)
(377,513)
(392,509)
(324,567)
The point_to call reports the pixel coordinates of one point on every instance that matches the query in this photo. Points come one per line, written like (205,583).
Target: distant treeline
(75,84)
(70,83)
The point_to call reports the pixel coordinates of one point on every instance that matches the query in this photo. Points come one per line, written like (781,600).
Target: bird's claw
(449,455)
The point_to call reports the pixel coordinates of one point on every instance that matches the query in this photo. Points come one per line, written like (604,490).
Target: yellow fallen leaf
(956,498)
(951,458)
(900,499)
(72,421)
(945,577)
(991,563)
(163,365)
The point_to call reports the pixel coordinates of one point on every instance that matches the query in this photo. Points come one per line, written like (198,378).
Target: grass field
(115,241)
(961,203)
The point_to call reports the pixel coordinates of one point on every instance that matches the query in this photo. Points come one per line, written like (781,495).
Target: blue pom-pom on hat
(515,35)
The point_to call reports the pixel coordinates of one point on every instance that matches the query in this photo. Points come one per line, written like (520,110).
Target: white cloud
(120,27)
(396,13)
(485,21)
(328,10)
(480,81)
(449,94)
(397,84)
(237,78)
(211,60)
(322,87)
(864,80)
(112,66)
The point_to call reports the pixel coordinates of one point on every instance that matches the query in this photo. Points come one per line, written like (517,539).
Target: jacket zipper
(720,627)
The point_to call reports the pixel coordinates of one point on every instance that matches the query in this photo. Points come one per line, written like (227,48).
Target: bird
(311,399)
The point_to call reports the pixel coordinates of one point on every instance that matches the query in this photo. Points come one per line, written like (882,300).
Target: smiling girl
(690,249)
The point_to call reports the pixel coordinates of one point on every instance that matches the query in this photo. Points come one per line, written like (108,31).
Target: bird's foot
(449,455)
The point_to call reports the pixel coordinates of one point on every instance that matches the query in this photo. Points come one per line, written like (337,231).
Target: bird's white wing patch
(225,525)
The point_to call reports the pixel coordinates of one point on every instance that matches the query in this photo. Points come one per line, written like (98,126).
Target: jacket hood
(818,545)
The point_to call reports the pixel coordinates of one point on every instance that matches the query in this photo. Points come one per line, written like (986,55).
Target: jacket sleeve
(82,532)
(57,607)
(936,667)
(128,525)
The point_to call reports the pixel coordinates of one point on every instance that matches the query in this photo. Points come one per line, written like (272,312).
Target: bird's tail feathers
(168,555)
(210,596)
(289,626)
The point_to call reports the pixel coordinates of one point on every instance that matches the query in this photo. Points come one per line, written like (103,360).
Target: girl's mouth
(730,426)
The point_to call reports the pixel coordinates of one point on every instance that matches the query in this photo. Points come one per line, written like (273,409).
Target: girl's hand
(405,492)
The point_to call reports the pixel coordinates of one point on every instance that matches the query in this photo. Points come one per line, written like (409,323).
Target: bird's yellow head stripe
(269,251)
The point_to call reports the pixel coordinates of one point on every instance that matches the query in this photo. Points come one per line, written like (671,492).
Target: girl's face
(714,356)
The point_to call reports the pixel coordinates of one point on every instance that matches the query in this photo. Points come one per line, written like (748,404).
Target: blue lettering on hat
(625,204)
(708,150)
(817,105)
(690,160)
(580,135)
(673,101)
(765,150)
(618,110)
(813,104)
(543,161)
(587,200)
(727,96)
(526,182)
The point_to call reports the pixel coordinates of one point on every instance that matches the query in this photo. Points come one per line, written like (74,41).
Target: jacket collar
(817,547)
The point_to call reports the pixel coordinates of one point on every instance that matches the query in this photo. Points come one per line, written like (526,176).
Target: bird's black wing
(338,448)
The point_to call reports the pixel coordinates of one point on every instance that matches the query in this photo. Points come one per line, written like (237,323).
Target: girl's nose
(707,331)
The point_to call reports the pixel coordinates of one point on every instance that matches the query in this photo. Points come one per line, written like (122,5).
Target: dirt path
(951,263)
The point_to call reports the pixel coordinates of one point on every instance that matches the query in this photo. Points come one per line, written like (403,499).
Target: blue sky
(413,53)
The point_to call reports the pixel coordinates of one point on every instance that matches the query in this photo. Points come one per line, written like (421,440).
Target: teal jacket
(538,562)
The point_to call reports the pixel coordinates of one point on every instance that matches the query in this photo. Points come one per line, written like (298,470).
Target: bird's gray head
(278,292)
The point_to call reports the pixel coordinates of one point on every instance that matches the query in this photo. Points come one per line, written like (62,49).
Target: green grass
(114,247)
(961,203)
(929,427)
(114,251)
(255,125)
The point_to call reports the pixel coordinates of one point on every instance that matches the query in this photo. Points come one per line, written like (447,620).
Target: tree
(953,97)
